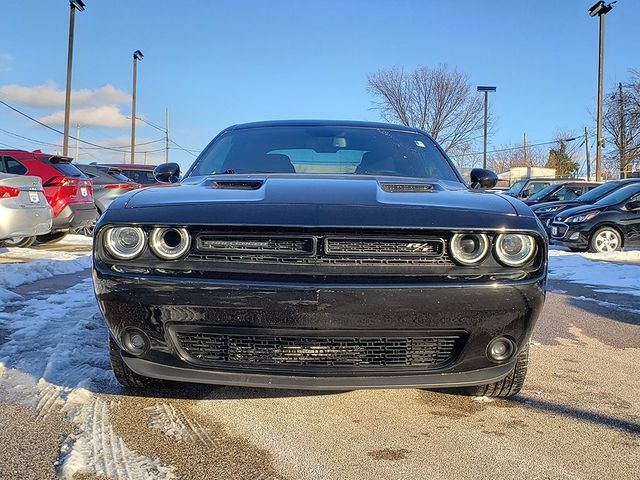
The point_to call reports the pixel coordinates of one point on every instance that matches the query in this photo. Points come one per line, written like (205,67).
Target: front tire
(18,242)
(125,376)
(51,237)
(605,240)
(509,385)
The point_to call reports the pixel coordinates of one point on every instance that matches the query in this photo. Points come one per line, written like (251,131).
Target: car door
(630,223)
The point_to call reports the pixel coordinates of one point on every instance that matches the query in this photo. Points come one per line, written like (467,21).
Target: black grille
(321,248)
(384,246)
(351,351)
(256,244)
(558,230)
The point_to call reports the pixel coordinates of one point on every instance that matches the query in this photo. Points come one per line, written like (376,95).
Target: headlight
(469,248)
(549,209)
(124,243)
(581,218)
(515,249)
(170,243)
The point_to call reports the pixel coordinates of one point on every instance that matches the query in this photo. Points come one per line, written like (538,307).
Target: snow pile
(15,274)
(617,272)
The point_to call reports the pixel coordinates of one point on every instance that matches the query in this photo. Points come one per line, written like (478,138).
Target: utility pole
(525,147)
(621,139)
(600,9)
(486,91)
(73,6)
(137,55)
(587,153)
(166,131)
(77,142)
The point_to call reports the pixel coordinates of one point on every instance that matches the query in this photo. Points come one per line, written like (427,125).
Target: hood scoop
(406,187)
(237,184)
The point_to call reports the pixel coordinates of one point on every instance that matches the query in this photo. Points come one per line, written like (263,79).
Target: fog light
(574,236)
(135,341)
(501,349)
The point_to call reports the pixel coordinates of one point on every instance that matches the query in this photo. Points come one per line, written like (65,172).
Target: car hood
(337,200)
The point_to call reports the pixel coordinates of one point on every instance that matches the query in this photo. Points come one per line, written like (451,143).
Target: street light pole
(73,6)
(486,91)
(600,9)
(137,55)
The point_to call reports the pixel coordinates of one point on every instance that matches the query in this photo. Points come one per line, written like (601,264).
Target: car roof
(324,123)
(127,166)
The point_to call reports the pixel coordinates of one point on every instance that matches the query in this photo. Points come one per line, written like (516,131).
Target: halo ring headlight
(124,243)
(514,249)
(169,243)
(469,248)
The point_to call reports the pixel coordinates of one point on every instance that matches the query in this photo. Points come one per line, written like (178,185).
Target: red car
(67,189)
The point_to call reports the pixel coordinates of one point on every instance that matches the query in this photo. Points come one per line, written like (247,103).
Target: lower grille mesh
(307,351)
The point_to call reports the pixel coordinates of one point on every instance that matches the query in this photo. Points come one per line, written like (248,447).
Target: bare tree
(622,125)
(439,100)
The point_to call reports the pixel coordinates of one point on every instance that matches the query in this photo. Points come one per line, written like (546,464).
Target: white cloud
(49,95)
(108,116)
(6,61)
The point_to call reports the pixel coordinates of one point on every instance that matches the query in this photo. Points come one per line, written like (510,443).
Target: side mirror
(633,206)
(167,173)
(483,178)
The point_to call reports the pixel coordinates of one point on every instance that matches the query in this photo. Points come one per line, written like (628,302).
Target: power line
(58,131)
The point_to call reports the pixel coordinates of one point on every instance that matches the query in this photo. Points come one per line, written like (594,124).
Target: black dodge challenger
(321,255)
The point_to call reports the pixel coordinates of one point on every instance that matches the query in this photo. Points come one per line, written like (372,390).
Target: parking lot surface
(62,415)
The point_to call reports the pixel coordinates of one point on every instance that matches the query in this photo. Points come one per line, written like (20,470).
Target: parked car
(67,189)
(547,210)
(142,174)
(321,255)
(527,187)
(24,210)
(559,192)
(607,225)
(108,184)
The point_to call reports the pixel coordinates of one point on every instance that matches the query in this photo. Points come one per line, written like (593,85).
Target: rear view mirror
(167,173)
(483,178)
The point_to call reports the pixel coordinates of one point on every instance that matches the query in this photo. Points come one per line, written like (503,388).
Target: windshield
(324,150)
(516,187)
(599,192)
(543,193)
(620,195)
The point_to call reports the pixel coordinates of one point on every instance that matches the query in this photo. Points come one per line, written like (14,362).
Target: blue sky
(214,64)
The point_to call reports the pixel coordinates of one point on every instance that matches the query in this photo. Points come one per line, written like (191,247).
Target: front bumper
(574,235)
(159,304)
(75,215)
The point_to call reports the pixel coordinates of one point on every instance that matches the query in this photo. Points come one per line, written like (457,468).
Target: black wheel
(509,385)
(51,237)
(18,242)
(86,231)
(605,240)
(125,376)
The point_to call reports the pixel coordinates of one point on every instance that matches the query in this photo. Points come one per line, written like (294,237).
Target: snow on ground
(53,357)
(617,272)
(34,264)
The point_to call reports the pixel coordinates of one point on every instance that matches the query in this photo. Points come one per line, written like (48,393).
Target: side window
(14,166)
(2,167)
